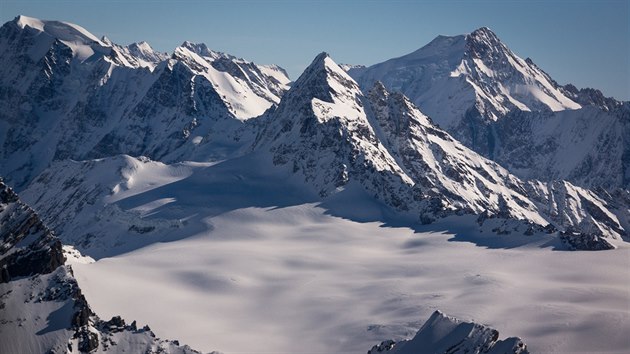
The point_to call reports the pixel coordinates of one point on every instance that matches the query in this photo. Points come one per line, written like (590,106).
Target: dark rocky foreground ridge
(43,309)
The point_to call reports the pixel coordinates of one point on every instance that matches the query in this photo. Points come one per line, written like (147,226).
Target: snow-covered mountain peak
(378,90)
(24,21)
(141,47)
(325,91)
(454,74)
(66,32)
(60,30)
(248,89)
(446,334)
(82,43)
(326,81)
(347,67)
(106,40)
(202,50)
(321,131)
(484,35)
(145,54)
(315,67)
(509,110)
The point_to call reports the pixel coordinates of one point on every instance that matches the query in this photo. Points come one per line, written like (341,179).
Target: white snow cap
(63,31)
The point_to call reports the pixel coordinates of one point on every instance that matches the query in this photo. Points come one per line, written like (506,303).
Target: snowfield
(296,279)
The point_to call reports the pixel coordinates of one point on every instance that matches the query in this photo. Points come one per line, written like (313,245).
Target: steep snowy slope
(589,147)
(451,75)
(43,309)
(509,110)
(454,178)
(248,89)
(67,94)
(320,131)
(446,172)
(327,131)
(443,334)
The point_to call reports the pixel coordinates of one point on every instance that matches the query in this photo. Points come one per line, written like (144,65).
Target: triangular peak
(325,79)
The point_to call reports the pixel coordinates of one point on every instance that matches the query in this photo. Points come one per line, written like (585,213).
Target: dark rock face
(83,312)
(384,346)
(29,248)
(582,241)
(88,341)
(42,255)
(591,97)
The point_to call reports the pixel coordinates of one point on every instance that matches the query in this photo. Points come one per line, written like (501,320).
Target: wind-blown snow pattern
(509,110)
(43,309)
(67,94)
(442,334)
(79,199)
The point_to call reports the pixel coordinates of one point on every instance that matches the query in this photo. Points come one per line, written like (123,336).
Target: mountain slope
(511,111)
(455,178)
(43,309)
(67,94)
(321,131)
(451,75)
(589,147)
(79,200)
(334,139)
(328,132)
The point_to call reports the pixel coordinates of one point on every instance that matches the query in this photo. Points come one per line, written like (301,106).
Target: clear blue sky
(583,42)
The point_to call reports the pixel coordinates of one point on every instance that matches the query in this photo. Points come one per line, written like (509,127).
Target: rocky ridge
(442,334)
(43,309)
(509,110)
(67,94)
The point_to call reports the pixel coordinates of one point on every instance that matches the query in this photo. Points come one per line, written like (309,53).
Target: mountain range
(509,110)
(118,147)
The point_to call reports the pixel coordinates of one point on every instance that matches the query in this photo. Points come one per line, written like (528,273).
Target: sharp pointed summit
(486,75)
(324,79)
(481,92)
